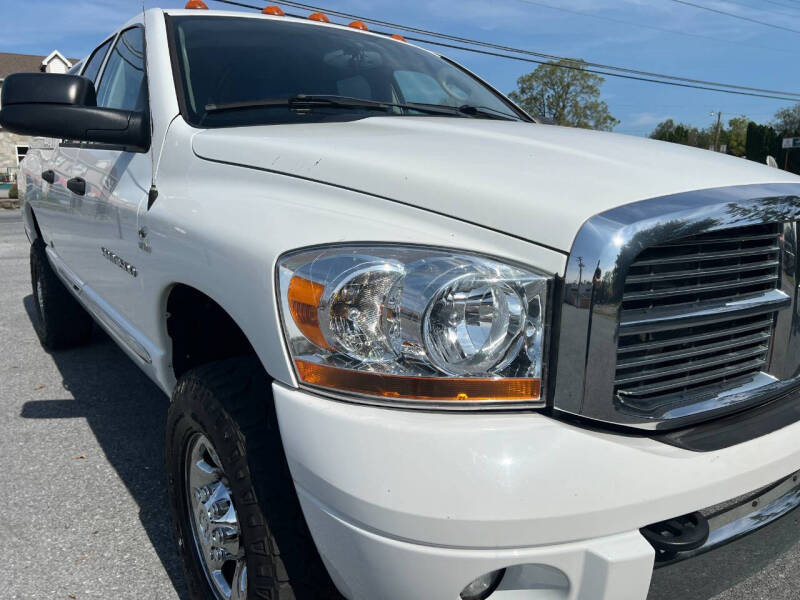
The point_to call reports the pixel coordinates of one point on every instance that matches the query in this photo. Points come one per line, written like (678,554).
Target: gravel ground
(83,487)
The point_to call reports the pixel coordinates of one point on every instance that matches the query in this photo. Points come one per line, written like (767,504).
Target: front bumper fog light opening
(483,587)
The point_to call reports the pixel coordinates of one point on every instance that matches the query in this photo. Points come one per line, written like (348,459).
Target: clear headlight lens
(415,325)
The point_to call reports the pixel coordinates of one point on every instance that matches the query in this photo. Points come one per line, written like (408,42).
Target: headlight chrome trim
(547,282)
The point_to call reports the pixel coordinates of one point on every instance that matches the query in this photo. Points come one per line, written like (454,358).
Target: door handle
(49,176)
(77,185)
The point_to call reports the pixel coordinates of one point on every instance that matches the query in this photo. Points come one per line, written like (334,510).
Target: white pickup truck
(418,345)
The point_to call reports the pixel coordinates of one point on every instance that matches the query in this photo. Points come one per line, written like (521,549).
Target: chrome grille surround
(681,308)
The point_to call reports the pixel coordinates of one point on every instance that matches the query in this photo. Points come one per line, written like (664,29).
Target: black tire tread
(66,323)
(233,397)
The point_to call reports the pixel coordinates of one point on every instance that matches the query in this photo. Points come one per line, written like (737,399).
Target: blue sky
(654,35)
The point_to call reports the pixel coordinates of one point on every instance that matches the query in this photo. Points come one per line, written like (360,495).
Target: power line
(548,57)
(735,16)
(597,68)
(654,28)
(770,11)
(783,5)
(576,67)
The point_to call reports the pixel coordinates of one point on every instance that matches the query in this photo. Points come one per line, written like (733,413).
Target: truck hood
(537,182)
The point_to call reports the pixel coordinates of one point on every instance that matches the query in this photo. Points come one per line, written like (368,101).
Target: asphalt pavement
(82,483)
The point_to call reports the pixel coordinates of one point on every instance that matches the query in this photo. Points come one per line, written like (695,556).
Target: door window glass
(21,152)
(96,61)
(123,83)
(76,68)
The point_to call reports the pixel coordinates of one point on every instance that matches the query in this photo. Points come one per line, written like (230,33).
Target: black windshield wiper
(463,110)
(300,101)
(485,111)
(308,102)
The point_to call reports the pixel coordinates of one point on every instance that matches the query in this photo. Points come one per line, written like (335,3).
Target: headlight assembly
(415,325)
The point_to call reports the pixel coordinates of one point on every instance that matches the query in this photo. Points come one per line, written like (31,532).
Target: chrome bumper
(746,535)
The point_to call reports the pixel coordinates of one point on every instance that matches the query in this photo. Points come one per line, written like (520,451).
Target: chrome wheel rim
(215,525)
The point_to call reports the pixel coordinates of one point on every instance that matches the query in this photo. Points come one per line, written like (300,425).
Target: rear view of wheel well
(201,331)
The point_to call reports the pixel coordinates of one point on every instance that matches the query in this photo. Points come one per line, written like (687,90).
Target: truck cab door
(34,171)
(115,185)
(58,208)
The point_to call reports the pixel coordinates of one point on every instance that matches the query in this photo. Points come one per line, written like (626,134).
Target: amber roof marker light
(359,25)
(318,16)
(196,4)
(398,37)
(275,11)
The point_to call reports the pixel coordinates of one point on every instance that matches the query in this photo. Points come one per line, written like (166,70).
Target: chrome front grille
(704,268)
(664,358)
(681,308)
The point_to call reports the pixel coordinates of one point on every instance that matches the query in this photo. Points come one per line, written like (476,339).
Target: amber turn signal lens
(359,25)
(398,37)
(435,389)
(196,4)
(275,11)
(304,298)
(318,16)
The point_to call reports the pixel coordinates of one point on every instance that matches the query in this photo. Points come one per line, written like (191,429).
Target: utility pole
(717,131)
(580,269)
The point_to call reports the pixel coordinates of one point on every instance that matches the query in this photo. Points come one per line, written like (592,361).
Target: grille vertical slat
(669,361)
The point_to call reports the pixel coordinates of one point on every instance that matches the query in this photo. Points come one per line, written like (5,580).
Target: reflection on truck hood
(538,182)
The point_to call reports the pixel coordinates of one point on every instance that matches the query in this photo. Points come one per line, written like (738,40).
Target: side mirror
(65,106)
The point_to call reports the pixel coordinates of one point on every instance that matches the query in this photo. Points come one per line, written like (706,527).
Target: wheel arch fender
(31,223)
(201,327)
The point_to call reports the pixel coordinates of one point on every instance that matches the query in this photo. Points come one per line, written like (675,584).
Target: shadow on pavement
(127,414)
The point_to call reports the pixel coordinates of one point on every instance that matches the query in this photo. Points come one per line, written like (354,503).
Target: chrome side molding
(114,323)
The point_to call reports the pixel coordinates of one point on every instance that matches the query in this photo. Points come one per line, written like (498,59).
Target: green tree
(664,131)
(680,133)
(737,136)
(787,121)
(787,124)
(761,142)
(566,93)
(705,138)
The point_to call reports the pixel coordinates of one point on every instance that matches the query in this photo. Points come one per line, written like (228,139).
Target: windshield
(233,69)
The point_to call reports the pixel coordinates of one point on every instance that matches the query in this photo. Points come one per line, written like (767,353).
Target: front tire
(240,530)
(61,321)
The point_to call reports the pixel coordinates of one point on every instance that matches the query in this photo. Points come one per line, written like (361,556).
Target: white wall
(56,65)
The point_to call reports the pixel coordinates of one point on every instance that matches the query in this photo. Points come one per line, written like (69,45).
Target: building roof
(16,63)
